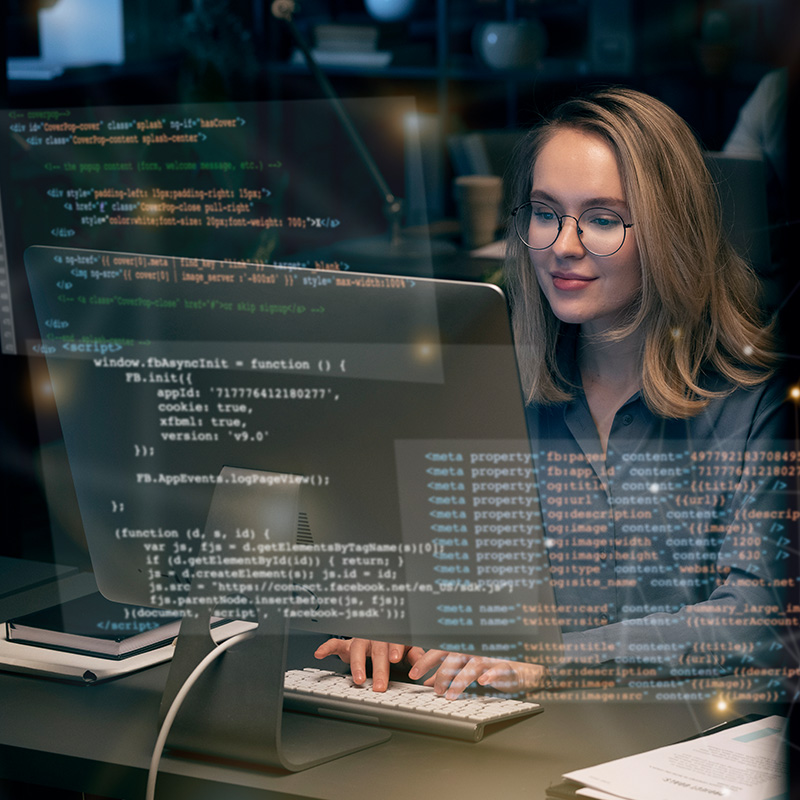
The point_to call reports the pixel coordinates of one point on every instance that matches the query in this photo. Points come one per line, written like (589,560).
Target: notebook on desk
(89,639)
(45,662)
(94,626)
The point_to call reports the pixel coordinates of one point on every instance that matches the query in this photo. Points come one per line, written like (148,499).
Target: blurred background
(475,73)
(471,65)
(438,91)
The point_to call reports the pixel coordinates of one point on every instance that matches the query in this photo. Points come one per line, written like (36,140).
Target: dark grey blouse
(670,554)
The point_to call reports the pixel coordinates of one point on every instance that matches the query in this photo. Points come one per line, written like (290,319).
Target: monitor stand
(235,710)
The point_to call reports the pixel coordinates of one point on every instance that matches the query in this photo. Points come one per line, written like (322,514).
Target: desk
(98,739)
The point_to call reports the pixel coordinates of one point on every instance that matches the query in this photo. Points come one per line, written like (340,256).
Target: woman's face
(573,172)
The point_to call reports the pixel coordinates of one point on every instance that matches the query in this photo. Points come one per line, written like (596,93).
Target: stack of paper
(746,762)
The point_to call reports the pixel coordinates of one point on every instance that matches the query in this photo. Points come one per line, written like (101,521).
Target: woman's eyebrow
(588,202)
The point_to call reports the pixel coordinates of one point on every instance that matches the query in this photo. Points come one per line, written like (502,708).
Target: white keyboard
(402,705)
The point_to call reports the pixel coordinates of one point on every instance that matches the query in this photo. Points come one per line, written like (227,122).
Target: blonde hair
(697,306)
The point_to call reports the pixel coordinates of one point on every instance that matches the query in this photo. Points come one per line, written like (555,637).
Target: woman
(648,372)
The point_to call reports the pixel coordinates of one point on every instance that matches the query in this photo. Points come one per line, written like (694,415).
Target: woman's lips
(570,282)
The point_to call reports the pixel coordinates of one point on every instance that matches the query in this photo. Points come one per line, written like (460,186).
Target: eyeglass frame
(560,218)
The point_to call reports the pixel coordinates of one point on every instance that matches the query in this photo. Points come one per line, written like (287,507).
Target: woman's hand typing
(383,654)
(454,672)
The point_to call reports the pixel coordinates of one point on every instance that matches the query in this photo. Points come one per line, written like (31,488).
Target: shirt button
(603,555)
(603,619)
(627,419)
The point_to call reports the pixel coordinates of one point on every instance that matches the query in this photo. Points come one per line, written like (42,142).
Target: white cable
(176,704)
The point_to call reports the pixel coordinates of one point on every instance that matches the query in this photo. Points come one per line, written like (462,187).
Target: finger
(503,678)
(358,651)
(414,654)
(524,677)
(380,666)
(424,662)
(471,671)
(449,668)
(396,653)
(514,677)
(333,647)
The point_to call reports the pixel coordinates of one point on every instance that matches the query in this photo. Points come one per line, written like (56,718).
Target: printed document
(747,762)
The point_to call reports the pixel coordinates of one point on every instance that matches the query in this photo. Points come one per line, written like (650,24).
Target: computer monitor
(392,403)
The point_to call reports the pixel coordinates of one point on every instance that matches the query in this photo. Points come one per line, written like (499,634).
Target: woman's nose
(568,242)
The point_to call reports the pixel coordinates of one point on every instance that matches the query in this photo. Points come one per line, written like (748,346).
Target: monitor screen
(393,402)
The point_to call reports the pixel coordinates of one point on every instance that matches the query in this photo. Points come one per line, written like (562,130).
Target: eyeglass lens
(601,230)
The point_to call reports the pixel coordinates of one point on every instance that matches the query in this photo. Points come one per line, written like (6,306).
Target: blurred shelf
(551,69)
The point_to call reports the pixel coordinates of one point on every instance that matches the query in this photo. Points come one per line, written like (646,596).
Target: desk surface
(98,739)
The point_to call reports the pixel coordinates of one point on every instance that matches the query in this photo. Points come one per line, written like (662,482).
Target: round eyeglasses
(601,231)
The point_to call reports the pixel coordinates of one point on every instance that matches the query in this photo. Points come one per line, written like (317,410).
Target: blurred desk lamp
(399,250)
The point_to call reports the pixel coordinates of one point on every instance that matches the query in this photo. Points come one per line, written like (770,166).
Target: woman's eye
(605,223)
(604,220)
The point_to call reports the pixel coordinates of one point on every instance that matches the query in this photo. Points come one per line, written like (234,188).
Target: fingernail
(378,685)
(413,673)
(358,676)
